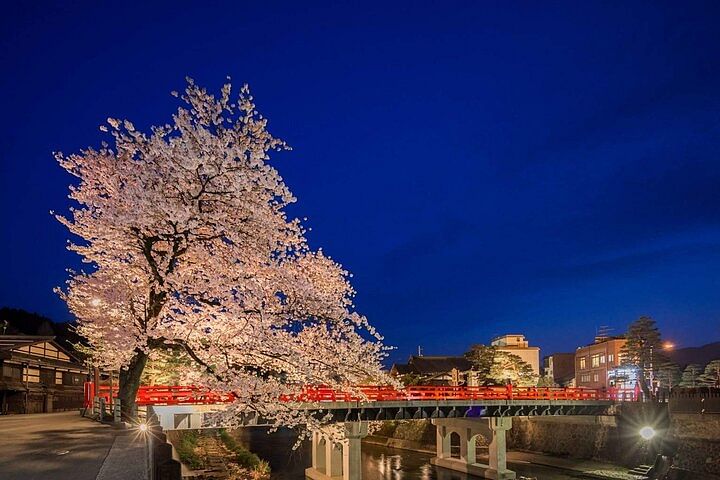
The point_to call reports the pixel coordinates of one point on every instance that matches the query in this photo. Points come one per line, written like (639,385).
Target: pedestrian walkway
(127,459)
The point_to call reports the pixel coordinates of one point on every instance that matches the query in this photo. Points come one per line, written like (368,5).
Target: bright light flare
(647,433)
(95,302)
(143,427)
(668,346)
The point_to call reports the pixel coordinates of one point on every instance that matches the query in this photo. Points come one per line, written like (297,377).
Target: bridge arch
(455,441)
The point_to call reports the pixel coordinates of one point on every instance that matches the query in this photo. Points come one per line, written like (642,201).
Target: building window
(32,375)
(596,378)
(595,361)
(611,358)
(12,371)
(602,359)
(70,378)
(585,378)
(583,366)
(47,377)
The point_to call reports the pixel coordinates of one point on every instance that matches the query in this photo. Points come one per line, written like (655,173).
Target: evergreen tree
(643,350)
(482,358)
(669,375)
(691,376)
(711,377)
(495,367)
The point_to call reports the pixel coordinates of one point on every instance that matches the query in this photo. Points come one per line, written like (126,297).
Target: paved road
(52,446)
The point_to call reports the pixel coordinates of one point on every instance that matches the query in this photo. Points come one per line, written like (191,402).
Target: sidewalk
(589,468)
(127,458)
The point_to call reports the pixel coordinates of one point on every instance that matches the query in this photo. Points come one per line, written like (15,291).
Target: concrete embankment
(416,435)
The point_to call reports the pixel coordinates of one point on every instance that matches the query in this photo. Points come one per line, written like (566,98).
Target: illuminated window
(582,363)
(602,359)
(595,360)
(611,357)
(585,378)
(596,377)
(31,375)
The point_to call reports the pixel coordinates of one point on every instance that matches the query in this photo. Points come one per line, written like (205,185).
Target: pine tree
(669,375)
(482,358)
(495,367)
(691,376)
(711,376)
(643,349)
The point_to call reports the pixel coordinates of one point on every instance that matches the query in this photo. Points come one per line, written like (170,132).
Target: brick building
(560,368)
(594,362)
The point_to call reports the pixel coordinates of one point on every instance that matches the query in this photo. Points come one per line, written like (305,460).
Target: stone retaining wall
(698,442)
(582,437)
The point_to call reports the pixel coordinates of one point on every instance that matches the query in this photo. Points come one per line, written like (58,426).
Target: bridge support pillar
(468,431)
(497,453)
(337,460)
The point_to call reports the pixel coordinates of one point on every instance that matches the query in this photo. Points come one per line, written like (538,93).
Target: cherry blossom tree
(191,250)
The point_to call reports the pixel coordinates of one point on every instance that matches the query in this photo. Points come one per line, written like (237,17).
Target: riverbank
(216,454)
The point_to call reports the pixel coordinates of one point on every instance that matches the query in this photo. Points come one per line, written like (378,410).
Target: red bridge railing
(192,395)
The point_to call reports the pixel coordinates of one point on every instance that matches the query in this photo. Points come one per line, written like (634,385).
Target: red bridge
(192,395)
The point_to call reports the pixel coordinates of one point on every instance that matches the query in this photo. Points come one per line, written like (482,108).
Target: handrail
(190,394)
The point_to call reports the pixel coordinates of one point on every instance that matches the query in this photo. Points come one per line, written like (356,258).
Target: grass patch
(243,456)
(185,447)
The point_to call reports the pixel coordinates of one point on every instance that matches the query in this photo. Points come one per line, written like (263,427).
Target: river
(379,463)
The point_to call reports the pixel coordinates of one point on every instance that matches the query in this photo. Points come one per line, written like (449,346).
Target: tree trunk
(129,384)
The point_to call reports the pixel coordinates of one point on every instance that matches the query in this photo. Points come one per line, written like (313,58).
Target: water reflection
(379,463)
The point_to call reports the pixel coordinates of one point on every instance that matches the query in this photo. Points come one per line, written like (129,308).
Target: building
(560,368)
(594,362)
(37,375)
(517,345)
(434,370)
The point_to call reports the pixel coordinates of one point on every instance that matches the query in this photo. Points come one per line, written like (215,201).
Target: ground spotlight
(647,433)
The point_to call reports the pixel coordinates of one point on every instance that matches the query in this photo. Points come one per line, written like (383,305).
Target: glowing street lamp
(647,433)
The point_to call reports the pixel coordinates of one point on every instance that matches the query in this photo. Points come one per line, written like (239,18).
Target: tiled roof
(402,368)
(9,342)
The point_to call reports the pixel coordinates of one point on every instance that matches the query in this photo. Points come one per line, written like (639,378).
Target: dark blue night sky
(482,168)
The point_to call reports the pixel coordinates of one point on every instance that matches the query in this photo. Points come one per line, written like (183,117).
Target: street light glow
(647,433)
(143,427)
(668,346)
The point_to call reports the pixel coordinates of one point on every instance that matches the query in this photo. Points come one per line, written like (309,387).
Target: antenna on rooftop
(602,333)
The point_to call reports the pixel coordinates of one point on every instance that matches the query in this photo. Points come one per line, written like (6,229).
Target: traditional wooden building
(37,375)
(434,370)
